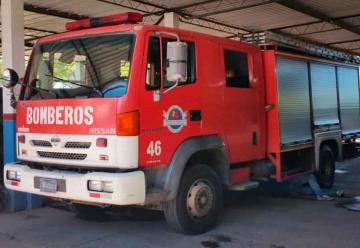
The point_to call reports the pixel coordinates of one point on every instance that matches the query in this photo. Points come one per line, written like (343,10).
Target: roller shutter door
(348,81)
(324,94)
(293,100)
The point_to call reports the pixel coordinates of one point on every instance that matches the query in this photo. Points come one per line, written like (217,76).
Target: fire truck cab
(119,113)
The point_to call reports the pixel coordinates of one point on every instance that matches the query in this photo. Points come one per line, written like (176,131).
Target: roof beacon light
(129,17)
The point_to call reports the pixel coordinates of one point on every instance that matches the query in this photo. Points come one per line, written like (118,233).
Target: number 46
(154,148)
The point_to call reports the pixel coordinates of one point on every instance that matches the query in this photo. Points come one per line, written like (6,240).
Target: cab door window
(156,72)
(153,65)
(236,69)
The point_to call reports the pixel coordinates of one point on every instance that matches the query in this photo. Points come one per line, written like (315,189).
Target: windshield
(96,66)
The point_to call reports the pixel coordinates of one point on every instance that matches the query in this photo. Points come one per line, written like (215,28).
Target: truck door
(241,104)
(165,122)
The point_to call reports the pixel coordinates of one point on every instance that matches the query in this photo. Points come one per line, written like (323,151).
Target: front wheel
(198,202)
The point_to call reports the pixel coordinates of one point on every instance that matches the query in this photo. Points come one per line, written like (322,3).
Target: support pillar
(12,24)
(171,19)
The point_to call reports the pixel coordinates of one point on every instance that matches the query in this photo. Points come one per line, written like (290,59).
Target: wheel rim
(200,199)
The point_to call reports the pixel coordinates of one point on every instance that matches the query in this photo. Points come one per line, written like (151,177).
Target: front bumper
(128,188)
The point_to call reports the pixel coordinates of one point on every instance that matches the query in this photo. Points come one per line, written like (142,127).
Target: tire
(88,212)
(326,173)
(198,202)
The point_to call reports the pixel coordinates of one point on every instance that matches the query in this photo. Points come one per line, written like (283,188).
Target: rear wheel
(198,203)
(326,173)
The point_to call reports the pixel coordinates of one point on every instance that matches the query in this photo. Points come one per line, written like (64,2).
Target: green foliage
(64,71)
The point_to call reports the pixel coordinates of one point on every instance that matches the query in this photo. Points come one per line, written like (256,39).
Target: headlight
(108,187)
(100,186)
(13,175)
(95,185)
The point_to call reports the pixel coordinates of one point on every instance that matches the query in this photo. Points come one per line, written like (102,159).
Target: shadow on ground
(254,219)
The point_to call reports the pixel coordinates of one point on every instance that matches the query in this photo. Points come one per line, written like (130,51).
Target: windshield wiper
(39,89)
(93,88)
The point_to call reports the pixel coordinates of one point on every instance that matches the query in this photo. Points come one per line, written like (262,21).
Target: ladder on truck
(269,39)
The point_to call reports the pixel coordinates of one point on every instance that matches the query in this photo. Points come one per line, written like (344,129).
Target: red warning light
(129,17)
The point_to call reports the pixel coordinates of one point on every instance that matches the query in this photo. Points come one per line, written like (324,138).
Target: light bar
(129,17)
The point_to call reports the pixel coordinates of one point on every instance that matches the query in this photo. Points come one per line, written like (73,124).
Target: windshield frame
(24,95)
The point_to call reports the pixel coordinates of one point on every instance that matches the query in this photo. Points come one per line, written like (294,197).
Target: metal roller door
(293,100)
(324,94)
(348,83)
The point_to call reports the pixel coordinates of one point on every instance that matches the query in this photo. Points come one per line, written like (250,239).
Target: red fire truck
(119,113)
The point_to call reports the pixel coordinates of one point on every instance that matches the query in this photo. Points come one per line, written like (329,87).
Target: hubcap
(200,199)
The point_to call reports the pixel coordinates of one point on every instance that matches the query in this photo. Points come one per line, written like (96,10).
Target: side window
(153,65)
(191,68)
(236,68)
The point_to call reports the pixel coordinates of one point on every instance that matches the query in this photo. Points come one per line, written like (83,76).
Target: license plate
(48,185)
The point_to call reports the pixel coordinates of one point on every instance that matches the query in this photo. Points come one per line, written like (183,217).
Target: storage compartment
(324,95)
(348,84)
(297,161)
(293,101)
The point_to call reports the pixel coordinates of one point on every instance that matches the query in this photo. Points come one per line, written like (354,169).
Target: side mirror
(10,78)
(176,70)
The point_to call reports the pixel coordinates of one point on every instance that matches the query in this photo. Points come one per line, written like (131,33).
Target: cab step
(242,186)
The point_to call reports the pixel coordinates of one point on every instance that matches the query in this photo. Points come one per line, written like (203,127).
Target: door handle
(254,138)
(195,115)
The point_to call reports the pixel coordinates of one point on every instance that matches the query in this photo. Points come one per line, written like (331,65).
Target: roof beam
(242,7)
(45,11)
(309,41)
(213,26)
(26,42)
(120,4)
(317,22)
(41,30)
(342,42)
(302,8)
(53,12)
(182,7)
(143,6)
(190,16)
(191,5)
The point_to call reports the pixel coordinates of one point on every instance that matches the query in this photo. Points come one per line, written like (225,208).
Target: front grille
(42,143)
(80,145)
(62,155)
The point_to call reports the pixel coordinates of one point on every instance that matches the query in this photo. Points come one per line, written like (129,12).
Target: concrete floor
(250,220)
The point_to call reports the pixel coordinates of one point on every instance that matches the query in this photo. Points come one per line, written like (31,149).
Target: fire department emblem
(55,140)
(174,119)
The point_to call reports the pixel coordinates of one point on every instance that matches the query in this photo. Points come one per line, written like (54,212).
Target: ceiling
(333,23)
